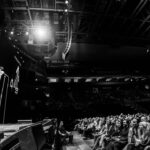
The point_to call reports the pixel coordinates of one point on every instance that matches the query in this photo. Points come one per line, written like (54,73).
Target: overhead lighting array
(67,6)
(38,33)
(41,33)
(107,80)
(69,30)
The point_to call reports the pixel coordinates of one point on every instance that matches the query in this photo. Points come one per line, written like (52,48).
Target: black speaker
(39,136)
(26,139)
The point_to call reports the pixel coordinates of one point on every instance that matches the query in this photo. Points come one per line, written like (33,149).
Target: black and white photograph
(74,74)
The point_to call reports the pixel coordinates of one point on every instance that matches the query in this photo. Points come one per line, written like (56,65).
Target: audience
(120,132)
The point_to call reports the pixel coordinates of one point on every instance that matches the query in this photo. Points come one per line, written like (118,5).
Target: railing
(4,79)
(31,137)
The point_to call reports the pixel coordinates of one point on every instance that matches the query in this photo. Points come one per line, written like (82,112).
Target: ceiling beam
(116,15)
(144,21)
(45,9)
(105,14)
(131,17)
(137,7)
(142,6)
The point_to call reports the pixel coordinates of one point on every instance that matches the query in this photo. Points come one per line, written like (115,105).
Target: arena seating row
(117,132)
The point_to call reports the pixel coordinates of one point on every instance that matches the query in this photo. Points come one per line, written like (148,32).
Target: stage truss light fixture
(147,87)
(11,32)
(27,33)
(66,2)
(66,10)
(42,33)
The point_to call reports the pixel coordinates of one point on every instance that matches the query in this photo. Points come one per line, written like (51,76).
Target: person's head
(140,125)
(134,122)
(125,123)
(118,123)
(112,121)
(61,124)
(143,119)
(143,125)
(108,121)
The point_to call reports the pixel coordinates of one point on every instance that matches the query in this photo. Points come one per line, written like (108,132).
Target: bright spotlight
(11,32)
(27,33)
(66,2)
(147,87)
(42,33)
(66,10)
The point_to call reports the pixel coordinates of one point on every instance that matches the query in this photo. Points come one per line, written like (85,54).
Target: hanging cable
(5,102)
(4,92)
(69,35)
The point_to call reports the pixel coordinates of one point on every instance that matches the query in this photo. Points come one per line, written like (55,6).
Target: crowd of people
(120,132)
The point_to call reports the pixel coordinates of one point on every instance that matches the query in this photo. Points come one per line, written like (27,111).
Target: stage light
(66,2)
(76,80)
(147,87)
(52,80)
(108,79)
(11,32)
(67,80)
(27,33)
(47,94)
(147,50)
(88,80)
(41,33)
(66,10)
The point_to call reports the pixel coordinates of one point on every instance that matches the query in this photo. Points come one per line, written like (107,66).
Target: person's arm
(61,133)
(137,137)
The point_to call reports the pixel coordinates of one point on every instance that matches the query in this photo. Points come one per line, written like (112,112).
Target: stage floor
(10,129)
(79,143)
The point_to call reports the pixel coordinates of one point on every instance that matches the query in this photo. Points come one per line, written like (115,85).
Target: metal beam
(136,11)
(144,21)
(46,9)
(29,13)
(140,9)
(41,3)
(139,4)
(70,11)
(116,16)
(133,13)
(106,14)
(94,24)
(146,30)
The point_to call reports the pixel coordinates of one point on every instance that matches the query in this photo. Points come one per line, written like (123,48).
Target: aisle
(78,143)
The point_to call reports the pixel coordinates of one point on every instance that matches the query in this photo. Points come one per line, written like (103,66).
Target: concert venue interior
(84,63)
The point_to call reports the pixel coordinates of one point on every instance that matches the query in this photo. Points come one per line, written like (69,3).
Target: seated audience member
(132,135)
(120,132)
(119,136)
(100,135)
(106,138)
(88,131)
(64,134)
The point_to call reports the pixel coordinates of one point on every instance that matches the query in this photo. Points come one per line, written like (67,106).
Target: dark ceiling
(96,21)
(110,44)
(109,22)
